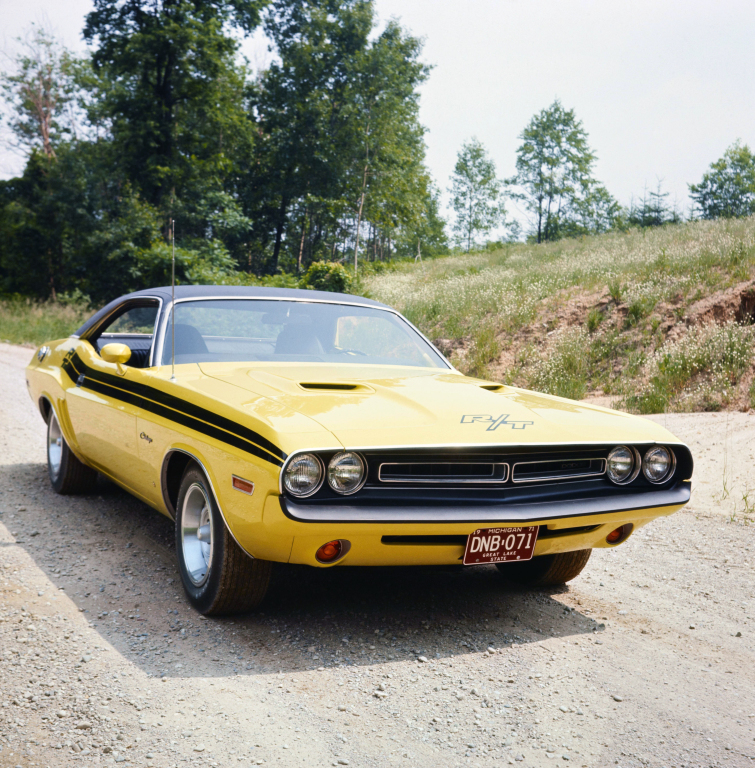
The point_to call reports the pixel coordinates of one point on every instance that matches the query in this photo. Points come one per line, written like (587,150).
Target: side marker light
(245,486)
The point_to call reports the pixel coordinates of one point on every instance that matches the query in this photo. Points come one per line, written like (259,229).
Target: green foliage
(311,160)
(698,371)
(41,92)
(327,276)
(653,210)
(342,167)
(475,191)
(728,189)
(564,370)
(594,319)
(29,322)
(554,171)
(616,291)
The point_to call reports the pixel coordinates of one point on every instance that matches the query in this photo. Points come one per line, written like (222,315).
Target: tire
(546,570)
(68,475)
(217,575)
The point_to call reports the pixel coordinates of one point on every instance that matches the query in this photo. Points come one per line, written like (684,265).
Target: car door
(100,401)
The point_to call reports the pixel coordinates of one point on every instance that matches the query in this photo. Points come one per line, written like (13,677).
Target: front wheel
(218,576)
(67,474)
(546,570)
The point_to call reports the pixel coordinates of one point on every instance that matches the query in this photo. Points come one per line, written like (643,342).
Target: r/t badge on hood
(494,422)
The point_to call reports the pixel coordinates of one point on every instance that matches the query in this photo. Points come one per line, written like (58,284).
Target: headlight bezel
(362,479)
(292,461)
(636,464)
(671,466)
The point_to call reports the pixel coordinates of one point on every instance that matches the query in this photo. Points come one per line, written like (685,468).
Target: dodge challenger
(297,426)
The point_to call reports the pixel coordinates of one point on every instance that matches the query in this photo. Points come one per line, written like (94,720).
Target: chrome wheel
(196,534)
(54,446)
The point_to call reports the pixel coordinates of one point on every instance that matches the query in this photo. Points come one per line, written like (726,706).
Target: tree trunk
(279,231)
(301,244)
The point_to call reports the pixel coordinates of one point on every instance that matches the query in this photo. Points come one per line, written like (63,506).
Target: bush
(564,369)
(327,276)
(697,372)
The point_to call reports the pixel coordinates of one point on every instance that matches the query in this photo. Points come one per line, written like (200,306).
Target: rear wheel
(67,474)
(218,576)
(546,570)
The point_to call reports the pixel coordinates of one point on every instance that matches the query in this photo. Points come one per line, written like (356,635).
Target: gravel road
(647,659)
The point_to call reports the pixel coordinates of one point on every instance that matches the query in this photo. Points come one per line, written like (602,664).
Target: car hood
(370,406)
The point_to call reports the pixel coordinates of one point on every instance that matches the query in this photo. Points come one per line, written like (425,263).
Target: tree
(728,189)
(475,191)
(341,160)
(41,92)
(654,209)
(554,170)
(176,98)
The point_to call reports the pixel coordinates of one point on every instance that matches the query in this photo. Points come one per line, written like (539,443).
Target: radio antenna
(173,301)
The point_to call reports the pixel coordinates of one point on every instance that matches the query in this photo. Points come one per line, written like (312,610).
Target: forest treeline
(316,160)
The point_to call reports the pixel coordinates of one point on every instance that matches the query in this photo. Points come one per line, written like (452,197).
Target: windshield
(247,330)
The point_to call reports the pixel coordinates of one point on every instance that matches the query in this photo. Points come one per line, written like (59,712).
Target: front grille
(560,469)
(443,472)
(546,533)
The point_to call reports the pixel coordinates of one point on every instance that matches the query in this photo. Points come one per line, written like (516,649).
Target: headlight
(621,465)
(658,464)
(303,475)
(346,473)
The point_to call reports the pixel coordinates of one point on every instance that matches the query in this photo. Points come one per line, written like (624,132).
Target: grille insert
(559,469)
(443,472)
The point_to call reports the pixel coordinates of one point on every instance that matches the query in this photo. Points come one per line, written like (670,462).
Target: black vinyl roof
(227,291)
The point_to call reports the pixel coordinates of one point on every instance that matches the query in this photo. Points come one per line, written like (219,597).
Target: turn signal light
(329,552)
(620,534)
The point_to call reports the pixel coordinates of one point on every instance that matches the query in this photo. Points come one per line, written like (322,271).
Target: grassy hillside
(658,319)
(651,321)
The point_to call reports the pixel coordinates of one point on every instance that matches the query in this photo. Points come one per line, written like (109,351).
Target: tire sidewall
(201,597)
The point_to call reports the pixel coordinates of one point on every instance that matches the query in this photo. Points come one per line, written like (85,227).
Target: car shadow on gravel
(114,557)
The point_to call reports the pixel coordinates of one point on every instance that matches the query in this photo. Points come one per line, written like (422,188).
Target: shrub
(594,319)
(327,276)
(698,371)
(564,369)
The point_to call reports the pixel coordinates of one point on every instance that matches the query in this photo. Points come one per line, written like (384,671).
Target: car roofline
(189,292)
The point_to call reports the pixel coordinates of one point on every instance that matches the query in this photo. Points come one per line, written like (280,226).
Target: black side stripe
(176,410)
(180,405)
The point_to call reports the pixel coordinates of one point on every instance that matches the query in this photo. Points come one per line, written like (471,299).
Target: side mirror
(116,353)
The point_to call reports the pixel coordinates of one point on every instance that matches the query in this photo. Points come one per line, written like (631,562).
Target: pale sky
(663,87)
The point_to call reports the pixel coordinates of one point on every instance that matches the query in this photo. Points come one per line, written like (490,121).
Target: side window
(139,320)
(135,327)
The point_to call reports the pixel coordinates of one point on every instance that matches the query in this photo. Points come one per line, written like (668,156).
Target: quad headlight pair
(305,473)
(624,464)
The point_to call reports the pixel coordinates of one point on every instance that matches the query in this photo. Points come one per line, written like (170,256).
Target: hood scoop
(493,387)
(334,386)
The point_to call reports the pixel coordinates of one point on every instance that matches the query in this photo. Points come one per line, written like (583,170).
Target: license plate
(500,545)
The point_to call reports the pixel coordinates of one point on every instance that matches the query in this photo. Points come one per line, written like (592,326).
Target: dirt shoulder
(647,659)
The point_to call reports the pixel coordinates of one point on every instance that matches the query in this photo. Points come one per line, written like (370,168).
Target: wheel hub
(196,534)
(54,446)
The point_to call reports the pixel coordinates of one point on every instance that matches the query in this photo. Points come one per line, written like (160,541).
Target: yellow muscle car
(292,426)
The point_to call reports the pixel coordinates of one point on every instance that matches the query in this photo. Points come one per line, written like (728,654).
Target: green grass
(27,322)
(514,297)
